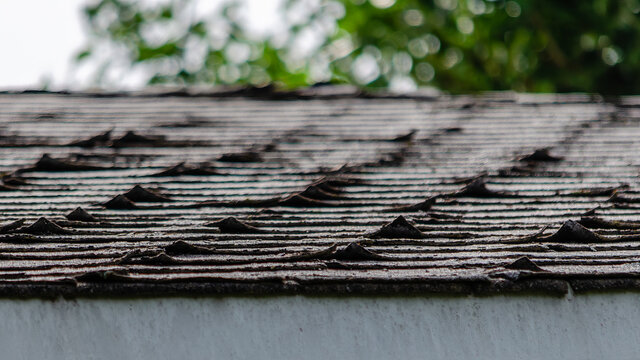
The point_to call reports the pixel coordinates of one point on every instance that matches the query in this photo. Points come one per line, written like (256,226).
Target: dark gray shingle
(482,184)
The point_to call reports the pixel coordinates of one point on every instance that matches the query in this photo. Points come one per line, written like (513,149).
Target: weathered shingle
(329,194)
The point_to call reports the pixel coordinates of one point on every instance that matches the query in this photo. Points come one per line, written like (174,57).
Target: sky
(41,37)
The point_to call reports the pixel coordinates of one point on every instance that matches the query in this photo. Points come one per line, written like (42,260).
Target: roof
(318,192)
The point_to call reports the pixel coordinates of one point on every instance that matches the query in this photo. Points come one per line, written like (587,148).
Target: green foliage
(454,45)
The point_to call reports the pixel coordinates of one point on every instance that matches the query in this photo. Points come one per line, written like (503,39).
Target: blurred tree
(453,45)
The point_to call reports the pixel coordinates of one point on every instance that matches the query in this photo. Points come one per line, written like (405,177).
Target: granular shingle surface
(261,193)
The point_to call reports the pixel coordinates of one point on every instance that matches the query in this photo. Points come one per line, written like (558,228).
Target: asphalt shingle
(261,193)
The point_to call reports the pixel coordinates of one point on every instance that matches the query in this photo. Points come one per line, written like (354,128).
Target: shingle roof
(261,193)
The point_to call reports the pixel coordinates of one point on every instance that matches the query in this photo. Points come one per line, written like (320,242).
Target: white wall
(582,327)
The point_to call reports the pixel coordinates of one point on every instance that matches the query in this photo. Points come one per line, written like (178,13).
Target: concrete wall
(583,327)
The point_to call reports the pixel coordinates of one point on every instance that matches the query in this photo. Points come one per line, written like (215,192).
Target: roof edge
(336,92)
(464,287)
(269,92)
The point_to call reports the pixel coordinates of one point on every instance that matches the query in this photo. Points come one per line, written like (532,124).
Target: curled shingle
(322,254)
(241,157)
(182,247)
(133,139)
(186,169)
(465,180)
(478,188)
(425,206)
(11,226)
(517,171)
(47,163)
(356,252)
(540,155)
(43,226)
(573,232)
(399,228)
(101,139)
(406,137)
(327,188)
(272,146)
(80,214)
(524,263)
(317,193)
(253,203)
(140,194)
(336,183)
(120,202)
(13,179)
(234,226)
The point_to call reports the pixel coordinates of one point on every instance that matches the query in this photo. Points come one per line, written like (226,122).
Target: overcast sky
(40,38)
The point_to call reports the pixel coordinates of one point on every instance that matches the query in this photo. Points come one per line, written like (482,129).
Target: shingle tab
(240,192)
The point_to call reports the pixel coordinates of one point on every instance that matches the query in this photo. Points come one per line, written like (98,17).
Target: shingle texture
(265,193)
